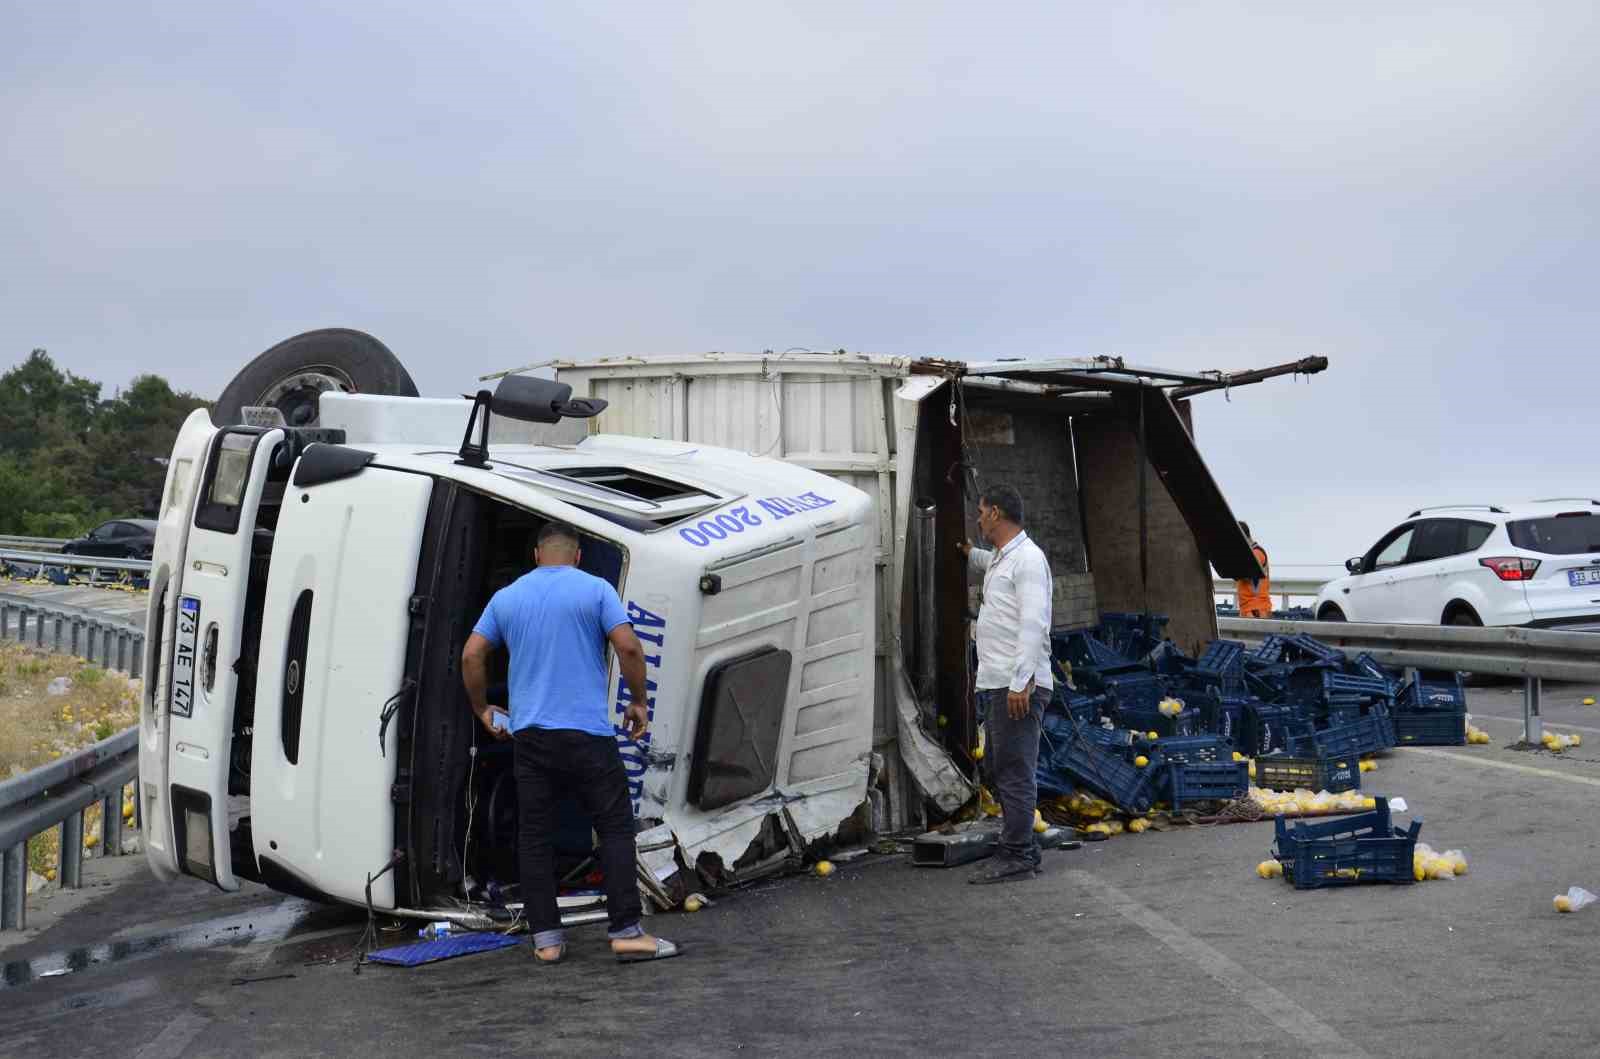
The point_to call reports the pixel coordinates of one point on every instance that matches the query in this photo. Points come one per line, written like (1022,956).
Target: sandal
(664,950)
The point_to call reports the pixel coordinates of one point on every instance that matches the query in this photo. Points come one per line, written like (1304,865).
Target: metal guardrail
(32,544)
(1535,655)
(96,562)
(56,795)
(63,630)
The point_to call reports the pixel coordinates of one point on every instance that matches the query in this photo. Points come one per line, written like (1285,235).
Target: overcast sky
(1407,189)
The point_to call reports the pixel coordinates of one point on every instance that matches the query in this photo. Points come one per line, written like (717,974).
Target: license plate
(1589,576)
(183,657)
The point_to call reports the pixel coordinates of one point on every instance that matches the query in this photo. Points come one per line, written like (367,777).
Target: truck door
(333,649)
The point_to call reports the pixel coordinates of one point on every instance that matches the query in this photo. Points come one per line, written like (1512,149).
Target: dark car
(123,538)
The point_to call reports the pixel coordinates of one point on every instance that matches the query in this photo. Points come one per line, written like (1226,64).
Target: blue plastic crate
(1139,690)
(1309,649)
(1153,720)
(1349,741)
(1193,749)
(1281,772)
(1263,729)
(1368,666)
(1431,728)
(1206,781)
(1268,651)
(1358,849)
(1432,691)
(1067,751)
(1224,661)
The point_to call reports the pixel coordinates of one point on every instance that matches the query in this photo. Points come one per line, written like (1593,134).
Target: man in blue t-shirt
(556,621)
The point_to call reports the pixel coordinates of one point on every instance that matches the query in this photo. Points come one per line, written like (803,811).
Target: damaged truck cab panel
(306,724)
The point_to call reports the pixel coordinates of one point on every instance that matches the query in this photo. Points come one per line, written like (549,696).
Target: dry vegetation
(37,727)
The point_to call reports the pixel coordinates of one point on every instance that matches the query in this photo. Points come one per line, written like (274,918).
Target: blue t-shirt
(554,620)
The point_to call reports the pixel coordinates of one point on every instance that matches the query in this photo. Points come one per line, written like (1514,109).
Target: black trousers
(548,761)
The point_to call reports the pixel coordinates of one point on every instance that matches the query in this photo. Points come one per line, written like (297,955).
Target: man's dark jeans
(1012,760)
(548,761)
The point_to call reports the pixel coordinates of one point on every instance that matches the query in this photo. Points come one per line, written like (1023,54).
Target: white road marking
(1274,1005)
(1510,766)
(177,1036)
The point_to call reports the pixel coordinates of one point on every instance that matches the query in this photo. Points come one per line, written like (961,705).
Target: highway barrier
(56,795)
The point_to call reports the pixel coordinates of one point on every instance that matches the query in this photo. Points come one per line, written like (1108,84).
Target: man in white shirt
(1014,682)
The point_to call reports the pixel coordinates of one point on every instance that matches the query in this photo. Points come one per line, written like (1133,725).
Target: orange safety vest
(1255,598)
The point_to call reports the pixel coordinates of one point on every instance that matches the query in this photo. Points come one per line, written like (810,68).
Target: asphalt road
(1158,944)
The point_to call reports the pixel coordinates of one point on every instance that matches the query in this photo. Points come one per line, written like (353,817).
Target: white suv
(1528,564)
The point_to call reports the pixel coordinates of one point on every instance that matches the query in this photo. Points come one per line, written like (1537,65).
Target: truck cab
(304,723)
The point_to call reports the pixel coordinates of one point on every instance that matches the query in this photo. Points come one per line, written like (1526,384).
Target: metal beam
(1504,651)
(1228,380)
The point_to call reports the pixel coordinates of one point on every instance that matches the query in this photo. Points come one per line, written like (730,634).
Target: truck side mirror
(524,397)
(536,400)
(1354,565)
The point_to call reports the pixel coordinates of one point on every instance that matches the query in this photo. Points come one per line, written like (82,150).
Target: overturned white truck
(772,524)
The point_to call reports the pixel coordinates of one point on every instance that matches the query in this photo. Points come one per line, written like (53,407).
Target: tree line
(70,459)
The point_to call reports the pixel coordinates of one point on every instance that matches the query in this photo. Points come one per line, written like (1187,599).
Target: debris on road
(1137,727)
(1475,735)
(1555,742)
(1427,864)
(1575,899)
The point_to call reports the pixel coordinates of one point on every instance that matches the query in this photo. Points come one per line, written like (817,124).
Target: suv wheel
(1463,616)
(1330,613)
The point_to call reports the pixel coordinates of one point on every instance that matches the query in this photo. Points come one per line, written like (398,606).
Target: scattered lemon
(1589,701)
(824,867)
(1577,740)
(1459,864)
(692,905)
(1238,756)
(977,754)
(1141,761)
(1563,903)
(1139,826)
(1152,735)
(943,720)
(1269,869)
(1420,873)
(91,840)
(1369,803)
(1040,827)
(50,876)
(127,810)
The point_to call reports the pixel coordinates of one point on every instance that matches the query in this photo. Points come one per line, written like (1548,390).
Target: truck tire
(293,375)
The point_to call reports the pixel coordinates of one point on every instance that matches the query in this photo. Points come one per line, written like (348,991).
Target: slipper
(665,950)
(560,955)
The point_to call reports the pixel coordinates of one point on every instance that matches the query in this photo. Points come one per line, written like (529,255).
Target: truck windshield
(1573,534)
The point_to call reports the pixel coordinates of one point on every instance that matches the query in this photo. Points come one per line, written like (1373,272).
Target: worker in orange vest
(1255,597)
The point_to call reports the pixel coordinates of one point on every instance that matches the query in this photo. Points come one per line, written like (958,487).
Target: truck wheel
(293,375)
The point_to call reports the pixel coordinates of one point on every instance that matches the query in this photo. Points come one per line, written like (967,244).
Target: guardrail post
(14,888)
(1532,708)
(93,635)
(5,620)
(71,873)
(56,625)
(122,651)
(137,671)
(111,825)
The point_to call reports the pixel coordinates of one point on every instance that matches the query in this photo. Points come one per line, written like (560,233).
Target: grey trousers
(1011,763)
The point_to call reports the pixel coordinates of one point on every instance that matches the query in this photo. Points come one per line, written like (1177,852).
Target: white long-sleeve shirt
(1014,620)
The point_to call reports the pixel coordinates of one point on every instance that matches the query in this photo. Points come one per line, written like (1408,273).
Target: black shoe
(1001,870)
